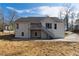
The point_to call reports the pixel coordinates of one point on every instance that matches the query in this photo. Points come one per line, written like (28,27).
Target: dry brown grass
(38,48)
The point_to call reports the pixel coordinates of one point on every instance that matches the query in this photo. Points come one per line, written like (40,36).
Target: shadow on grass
(11,37)
(7,37)
(76,31)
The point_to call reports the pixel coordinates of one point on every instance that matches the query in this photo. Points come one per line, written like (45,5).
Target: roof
(26,19)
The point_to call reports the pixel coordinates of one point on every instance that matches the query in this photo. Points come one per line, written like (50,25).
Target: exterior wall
(23,27)
(33,34)
(59,32)
(76,26)
(77,22)
(43,35)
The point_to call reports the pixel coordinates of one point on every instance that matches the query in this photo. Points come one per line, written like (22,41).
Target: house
(6,27)
(39,27)
(76,26)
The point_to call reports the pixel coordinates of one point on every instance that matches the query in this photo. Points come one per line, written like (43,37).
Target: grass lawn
(37,48)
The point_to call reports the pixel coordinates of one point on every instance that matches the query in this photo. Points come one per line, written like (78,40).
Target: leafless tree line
(68,13)
(11,16)
(65,14)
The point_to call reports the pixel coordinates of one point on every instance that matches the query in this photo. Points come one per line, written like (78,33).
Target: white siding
(23,27)
(59,32)
(76,26)
(43,35)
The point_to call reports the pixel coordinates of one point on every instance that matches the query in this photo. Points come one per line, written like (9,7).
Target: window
(49,25)
(22,34)
(35,33)
(17,26)
(55,26)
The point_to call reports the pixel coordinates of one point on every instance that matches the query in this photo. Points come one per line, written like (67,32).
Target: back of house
(39,27)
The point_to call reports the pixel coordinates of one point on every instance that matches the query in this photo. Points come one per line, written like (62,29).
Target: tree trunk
(66,22)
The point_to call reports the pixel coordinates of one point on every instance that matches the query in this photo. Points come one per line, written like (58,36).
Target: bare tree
(60,14)
(67,9)
(1,19)
(12,16)
(72,18)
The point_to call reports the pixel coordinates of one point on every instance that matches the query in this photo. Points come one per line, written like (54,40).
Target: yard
(37,48)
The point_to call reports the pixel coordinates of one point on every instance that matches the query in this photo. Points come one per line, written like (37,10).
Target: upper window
(55,26)
(49,25)
(17,26)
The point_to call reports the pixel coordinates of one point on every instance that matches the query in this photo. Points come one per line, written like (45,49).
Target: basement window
(35,33)
(22,34)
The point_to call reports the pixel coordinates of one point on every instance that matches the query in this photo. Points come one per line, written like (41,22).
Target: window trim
(36,34)
(22,33)
(55,26)
(49,25)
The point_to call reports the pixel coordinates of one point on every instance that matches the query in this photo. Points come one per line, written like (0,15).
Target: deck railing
(35,26)
(40,27)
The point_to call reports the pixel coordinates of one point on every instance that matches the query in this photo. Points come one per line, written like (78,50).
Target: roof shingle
(26,19)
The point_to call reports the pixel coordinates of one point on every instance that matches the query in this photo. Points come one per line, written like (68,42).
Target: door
(36,34)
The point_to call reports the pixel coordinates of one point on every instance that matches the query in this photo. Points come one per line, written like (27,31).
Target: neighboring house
(39,27)
(6,27)
(76,26)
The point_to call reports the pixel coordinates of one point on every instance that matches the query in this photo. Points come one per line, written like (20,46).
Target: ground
(39,47)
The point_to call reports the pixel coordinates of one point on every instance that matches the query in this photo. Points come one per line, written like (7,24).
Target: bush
(66,34)
(76,31)
(1,30)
